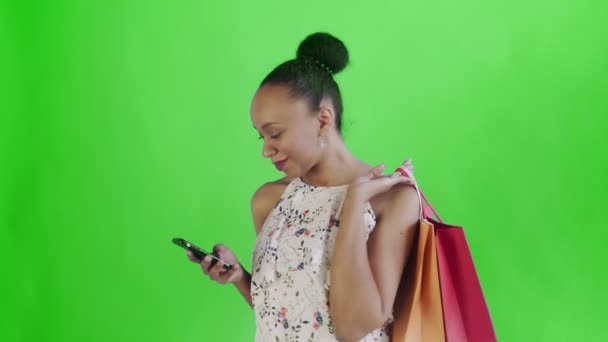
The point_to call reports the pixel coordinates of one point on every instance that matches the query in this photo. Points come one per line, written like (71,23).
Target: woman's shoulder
(265,198)
(272,189)
(397,198)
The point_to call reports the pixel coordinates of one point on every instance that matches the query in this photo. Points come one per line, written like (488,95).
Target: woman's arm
(365,275)
(244,287)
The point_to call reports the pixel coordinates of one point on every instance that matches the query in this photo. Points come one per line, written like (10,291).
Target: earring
(322,141)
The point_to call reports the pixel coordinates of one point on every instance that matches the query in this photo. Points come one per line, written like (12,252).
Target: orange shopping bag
(417,311)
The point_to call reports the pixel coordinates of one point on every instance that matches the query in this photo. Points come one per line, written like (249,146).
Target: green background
(125,124)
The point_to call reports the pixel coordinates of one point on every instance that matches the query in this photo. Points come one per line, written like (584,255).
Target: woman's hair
(310,75)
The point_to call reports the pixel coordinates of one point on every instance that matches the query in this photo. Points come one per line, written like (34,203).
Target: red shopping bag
(465,312)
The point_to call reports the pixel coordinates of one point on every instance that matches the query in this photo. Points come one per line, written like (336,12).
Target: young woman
(334,233)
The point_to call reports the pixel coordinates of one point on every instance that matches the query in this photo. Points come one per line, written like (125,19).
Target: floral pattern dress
(291,265)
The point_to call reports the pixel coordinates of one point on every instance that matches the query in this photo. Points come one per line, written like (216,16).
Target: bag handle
(432,210)
(422,199)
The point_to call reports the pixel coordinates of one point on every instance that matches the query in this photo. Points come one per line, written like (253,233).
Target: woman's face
(289,130)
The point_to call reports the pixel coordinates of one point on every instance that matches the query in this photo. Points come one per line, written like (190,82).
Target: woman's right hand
(216,272)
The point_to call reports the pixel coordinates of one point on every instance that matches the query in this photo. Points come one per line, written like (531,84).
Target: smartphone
(199,252)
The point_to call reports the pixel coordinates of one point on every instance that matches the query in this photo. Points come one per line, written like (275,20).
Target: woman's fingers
(384,183)
(213,265)
(376,171)
(216,270)
(206,265)
(397,174)
(400,172)
(408,164)
(192,257)
(397,179)
(406,169)
(226,276)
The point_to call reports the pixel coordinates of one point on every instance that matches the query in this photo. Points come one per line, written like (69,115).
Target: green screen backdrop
(126,123)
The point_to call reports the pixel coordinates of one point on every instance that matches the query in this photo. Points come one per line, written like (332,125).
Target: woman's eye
(261,137)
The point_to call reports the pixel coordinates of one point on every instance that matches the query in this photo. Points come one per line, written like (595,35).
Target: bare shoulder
(400,201)
(264,199)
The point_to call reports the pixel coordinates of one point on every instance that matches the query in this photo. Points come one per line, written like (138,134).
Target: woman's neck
(337,167)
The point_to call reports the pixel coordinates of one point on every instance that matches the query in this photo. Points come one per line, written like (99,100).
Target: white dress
(291,264)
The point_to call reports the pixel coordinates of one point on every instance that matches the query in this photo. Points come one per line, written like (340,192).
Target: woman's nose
(268,150)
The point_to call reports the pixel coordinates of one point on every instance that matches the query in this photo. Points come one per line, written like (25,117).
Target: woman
(334,233)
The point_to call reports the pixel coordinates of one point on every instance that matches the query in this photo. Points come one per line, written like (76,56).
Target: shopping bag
(441,253)
(417,313)
(465,312)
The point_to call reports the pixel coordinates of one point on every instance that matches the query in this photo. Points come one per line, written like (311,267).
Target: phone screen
(199,252)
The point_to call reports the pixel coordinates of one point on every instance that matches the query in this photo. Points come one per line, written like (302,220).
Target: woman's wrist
(244,280)
(353,199)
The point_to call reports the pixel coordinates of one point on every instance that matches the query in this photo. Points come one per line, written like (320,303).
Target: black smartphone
(199,252)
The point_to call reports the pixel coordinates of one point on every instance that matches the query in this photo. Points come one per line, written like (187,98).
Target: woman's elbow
(356,331)
(349,336)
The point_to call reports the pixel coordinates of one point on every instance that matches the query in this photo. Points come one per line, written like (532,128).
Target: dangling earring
(322,141)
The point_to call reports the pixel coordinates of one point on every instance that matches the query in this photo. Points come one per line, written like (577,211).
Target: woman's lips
(280,165)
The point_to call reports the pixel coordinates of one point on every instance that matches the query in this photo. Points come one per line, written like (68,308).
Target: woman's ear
(326,116)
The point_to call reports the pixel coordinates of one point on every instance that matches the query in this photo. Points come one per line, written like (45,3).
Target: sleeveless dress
(291,265)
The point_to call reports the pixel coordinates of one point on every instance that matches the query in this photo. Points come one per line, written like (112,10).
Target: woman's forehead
(275,104)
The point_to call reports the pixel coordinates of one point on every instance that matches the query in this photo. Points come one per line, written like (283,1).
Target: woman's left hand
(375,183)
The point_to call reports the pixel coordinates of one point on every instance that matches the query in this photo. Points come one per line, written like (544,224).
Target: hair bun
(326,49)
